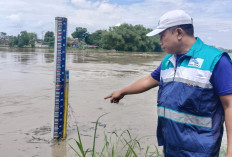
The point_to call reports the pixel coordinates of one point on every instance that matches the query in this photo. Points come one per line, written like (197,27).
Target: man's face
(168,41)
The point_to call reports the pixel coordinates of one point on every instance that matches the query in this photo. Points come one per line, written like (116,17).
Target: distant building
(5,41)
(91,46)
(40,44)
(80,44)
(74,43)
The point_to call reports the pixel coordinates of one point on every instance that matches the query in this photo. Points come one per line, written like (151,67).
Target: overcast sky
(212,18)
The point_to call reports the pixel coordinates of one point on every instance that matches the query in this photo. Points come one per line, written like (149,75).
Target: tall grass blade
(152,153)
(100,155)
(129,133)
(79,144)
(74,150)
(147,151)
(117,139)
(132,150)
(95,132)
(106,146)
(112,154)
(121,136)
(80,148)
(102,150)
(138,145)
(86,151)
(157,151)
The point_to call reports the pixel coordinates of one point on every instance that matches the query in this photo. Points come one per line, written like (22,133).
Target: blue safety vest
(190,114)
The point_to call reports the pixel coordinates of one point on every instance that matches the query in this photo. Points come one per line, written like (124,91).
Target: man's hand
(139,86)
(115,96)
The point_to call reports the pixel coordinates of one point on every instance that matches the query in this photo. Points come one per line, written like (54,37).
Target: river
(27,99)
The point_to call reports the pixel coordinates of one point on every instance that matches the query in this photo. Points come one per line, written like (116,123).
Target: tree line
(26,39)
(125,37)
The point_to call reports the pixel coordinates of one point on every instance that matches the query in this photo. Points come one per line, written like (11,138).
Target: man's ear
(180,33)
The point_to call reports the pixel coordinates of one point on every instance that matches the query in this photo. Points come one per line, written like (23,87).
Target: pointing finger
(109,96)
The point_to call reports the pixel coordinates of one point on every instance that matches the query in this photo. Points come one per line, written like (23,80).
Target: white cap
(170,19)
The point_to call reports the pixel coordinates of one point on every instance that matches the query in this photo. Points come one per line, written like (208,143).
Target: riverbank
(71,49)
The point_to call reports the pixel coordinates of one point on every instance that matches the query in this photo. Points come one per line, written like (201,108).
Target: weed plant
(115,145)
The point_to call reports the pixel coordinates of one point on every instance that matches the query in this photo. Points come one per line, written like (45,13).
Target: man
(195,91)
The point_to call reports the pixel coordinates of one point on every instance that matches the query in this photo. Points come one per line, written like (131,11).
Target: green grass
(115,145)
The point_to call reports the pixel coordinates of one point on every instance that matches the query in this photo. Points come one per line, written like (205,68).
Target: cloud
(86,4)
(38,16)
(100,16)
(14,17)
(224,30)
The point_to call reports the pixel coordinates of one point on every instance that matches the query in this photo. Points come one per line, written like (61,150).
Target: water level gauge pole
(60,64)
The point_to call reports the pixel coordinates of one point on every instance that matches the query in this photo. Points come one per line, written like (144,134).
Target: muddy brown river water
(27,99)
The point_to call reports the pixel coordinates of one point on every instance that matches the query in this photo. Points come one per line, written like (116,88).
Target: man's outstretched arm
(227,105)
(139,86)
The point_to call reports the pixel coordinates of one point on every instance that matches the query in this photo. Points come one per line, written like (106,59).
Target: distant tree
(2,35)
(127,37)
(33,36)
(32,43)
(32,39)
(49,38)
(13,41)
(80,33)
(68,41)
(225,50)
(23,39)
(95,38)
(157,47)
(112,40)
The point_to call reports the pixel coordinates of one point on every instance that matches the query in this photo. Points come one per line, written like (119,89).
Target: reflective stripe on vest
(185,118)
(190,76)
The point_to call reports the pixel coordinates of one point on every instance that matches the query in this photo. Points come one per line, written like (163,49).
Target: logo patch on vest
(196,62)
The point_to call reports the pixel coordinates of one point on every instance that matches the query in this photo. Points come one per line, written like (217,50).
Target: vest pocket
(207,97)
(190,99)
